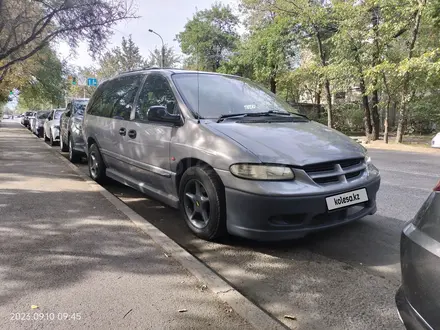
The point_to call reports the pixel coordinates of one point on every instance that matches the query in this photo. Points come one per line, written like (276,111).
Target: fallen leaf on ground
(34,306)
(183,310)
(290,317)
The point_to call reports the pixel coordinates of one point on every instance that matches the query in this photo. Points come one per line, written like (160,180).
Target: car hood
(293,143)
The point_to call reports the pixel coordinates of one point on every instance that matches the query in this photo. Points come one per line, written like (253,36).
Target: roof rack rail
(143,69)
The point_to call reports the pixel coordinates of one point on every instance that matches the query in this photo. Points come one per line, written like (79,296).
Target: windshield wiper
(252,114)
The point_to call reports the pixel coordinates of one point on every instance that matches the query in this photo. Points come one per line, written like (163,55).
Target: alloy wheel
(93,165)
(196,203)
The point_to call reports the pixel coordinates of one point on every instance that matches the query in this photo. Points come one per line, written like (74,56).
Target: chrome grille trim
(336,172)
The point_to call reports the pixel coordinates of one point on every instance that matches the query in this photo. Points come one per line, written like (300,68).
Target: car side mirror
(159,113)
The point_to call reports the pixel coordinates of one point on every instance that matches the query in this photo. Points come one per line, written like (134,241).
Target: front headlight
(367,158)
(262,172)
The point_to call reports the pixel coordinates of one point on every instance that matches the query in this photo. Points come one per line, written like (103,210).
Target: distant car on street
(231,155)
(25,118)
(71,137)
(37,123)
(435,142)
(5,116)
(31,118)
(52,126)
(418,298)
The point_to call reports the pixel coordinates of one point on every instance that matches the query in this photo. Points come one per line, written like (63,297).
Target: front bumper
(273,218)
(408,314)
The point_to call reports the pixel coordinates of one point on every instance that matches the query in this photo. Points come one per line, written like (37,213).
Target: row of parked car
(237,159)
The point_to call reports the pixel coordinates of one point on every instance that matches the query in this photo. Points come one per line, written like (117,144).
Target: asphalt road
(344,278)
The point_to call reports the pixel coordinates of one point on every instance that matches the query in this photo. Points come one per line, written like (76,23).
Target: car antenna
(198,83)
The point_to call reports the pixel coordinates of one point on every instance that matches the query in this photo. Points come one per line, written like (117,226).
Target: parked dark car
(71,137)
(25,118)
(418,298)
(210,144)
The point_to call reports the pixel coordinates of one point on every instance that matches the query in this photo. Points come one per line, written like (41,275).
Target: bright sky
(166,17)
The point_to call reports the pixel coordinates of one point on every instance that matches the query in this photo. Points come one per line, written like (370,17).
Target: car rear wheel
(74,156)
(96,164)
(63,146)
(202,202)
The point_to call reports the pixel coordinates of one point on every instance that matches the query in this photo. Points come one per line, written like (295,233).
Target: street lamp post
(163,47)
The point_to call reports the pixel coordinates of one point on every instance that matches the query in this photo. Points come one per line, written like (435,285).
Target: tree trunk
(318,103)
(405,98)
(367,113)
(375,114)
(273,85)
(375,17)
(327,82)
(387,108)
(329,104)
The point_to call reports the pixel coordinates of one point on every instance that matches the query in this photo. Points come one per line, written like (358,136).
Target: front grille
(335,172)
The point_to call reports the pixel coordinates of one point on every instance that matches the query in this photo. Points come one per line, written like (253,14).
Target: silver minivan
(233,156)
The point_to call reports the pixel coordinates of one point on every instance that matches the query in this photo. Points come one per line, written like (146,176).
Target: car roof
(169,71)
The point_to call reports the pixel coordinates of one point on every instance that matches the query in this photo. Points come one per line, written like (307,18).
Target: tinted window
(28,113)
(214,95)
(116,98)
(156,91)
(42,115)
(50,116)
(94,106)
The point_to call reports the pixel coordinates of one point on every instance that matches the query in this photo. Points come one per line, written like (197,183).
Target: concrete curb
(249,311)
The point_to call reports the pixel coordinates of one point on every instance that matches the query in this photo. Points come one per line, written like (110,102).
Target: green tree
(171,59)
(268,49)
(126,57)
(314,24)
(209,37)
(26,27)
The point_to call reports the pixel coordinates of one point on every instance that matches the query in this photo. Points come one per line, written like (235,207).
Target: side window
(156,91)
(118,96)
(95,104)
(50,116)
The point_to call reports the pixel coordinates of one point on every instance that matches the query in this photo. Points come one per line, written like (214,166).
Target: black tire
(215,227)
(51,141)
(45,137)
(96,164)
(64,147)
(74,156)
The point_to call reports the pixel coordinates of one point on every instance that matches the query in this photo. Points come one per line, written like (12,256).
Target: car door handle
(122,131)
(132,134)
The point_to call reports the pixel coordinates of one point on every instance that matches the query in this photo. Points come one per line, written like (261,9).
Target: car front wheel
(202,202)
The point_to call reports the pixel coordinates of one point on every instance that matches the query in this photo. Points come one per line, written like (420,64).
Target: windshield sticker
(250,106)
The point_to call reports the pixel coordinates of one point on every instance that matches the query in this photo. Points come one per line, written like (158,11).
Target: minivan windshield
(213,95)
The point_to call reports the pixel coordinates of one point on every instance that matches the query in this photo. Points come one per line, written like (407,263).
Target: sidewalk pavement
(70,260)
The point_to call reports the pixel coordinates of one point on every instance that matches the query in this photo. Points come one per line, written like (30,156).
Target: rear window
(79,107)
(58,114)
(43,115)
(28,113)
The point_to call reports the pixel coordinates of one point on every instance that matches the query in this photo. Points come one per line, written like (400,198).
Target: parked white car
(435,142)
(52,126)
